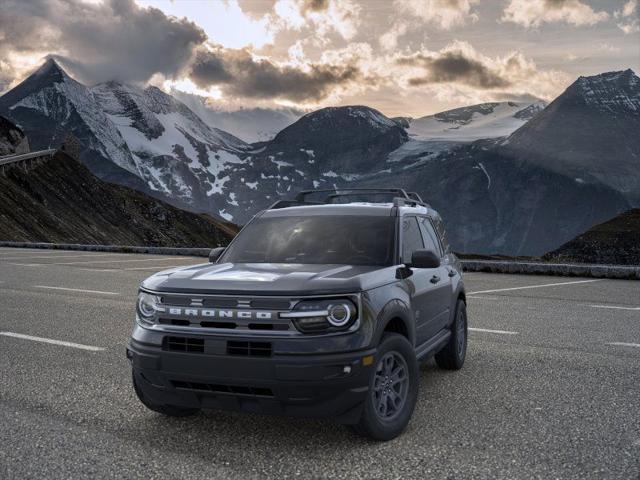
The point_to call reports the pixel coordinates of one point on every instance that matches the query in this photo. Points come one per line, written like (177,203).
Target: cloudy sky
(404,57)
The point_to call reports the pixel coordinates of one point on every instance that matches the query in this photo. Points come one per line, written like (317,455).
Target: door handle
(435,279)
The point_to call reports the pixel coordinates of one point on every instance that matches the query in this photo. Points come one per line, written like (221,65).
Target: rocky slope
(590,133)
(616,241)
(60,201)
(12,140)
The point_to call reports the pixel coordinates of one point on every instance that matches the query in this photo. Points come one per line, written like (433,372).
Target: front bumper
(304,385)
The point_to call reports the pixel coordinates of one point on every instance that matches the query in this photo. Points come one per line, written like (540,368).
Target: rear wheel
(452,356)
(168,410)
(393,390)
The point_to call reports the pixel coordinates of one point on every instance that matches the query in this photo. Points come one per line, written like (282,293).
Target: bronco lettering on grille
(214,313)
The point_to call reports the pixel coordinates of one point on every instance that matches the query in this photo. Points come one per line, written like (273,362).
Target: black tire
(168,410)
(452,356)
(373,423)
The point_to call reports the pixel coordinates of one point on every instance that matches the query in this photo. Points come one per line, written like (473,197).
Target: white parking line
(76,290)
(29,257)
(614,307)
(159,267)
(98,261)
(486,330)
(623,344)
(535,286)
(53,342)
(481,297)
(99,269)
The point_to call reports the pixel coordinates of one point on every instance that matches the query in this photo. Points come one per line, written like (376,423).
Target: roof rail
(398,197)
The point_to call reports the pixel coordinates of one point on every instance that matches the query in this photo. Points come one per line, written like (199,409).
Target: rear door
(421,288)
(441,281)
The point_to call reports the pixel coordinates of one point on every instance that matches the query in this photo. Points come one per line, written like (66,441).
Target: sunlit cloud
(224,22)
(323,17)
(445,14)
(533,13)
(628,17)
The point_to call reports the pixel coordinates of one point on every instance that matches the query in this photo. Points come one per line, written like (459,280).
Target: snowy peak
(466,124)
(611,91)
(67,106)
(51,71)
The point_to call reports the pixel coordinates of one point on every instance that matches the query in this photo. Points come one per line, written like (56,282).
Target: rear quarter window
(439,224)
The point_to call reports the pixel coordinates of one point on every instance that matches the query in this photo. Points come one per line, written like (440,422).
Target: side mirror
(424,259)
(214,254)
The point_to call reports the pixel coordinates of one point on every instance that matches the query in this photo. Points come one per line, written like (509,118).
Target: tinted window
(430,239)
(340,239)
(439,224)
(411,238)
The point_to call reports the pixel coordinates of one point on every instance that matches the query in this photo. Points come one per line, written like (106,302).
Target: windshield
(336,239)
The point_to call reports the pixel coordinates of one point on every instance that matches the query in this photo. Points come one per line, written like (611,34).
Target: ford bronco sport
(318,308)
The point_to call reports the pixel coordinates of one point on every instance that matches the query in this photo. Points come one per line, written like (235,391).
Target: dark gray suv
(321,306)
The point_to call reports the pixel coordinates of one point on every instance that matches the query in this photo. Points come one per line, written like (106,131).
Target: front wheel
(452,356)
(393,390)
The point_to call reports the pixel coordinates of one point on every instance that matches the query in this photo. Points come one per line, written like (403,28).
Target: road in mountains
(550,388)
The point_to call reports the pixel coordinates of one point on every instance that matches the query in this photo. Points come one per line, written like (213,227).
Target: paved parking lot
(551,388)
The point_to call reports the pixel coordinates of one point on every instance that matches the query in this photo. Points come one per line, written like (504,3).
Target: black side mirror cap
(214,254)
(424,259)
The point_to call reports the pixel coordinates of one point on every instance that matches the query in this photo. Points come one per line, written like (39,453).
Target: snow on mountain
(175,152)
(54,94)
(505,192)
(163,146)
(467,124)
(250,124)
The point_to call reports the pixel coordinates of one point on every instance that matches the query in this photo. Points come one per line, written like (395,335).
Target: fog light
(368,360)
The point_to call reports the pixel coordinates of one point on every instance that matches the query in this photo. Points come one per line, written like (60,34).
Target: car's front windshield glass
(335,239)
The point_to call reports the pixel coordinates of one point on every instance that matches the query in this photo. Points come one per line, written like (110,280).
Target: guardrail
(11,159)
(562,269)
(195,252)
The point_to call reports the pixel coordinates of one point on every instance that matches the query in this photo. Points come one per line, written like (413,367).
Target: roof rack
(398,197)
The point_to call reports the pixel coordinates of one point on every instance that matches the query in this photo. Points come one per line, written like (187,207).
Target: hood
(270,279)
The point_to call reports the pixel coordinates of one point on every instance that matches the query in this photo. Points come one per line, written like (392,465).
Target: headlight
(147,306)
(311,316)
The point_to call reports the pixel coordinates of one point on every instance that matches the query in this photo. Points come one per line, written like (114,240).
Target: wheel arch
(395,317)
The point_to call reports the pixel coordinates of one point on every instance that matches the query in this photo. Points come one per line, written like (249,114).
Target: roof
(335,202)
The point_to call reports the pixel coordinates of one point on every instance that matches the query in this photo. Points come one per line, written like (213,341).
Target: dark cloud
(237,73)
(113,40)
(557,3)
(314,5)
(454,67)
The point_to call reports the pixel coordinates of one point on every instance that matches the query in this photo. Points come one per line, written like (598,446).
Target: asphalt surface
(552,392)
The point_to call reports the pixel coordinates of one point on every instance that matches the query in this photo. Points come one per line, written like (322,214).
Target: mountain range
(508,177)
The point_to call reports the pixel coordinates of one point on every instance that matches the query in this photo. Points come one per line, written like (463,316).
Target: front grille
(249,349)
(183,344)
(229,389)
(232,325)
(270,303)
